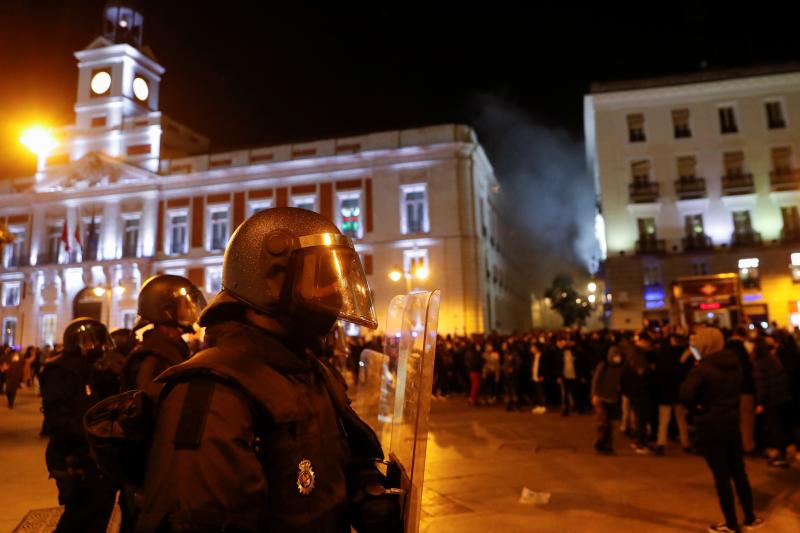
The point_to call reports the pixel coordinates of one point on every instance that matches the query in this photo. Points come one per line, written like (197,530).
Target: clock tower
(116,112)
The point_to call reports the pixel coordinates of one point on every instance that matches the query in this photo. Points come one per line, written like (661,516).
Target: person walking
(711,391)
(606,394)
(739,345)
(669,374)
(14,376)
(773,398)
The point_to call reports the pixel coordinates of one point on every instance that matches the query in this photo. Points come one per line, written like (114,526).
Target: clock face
(101,82)
(140,89)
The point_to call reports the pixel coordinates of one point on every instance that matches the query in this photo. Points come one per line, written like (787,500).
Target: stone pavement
(479,460)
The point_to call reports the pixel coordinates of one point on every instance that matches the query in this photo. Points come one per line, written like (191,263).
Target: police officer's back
(68,390)
(255,433)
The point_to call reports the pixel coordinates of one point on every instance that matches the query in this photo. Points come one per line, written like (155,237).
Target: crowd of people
(20,369)
(625,377)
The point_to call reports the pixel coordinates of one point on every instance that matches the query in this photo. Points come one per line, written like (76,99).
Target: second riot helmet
(169,300)
(86,337)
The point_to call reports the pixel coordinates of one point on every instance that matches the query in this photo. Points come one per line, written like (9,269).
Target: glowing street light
(592,286)
(592,298)
(119,290)
(422,273)
(395,275)
(38,140)
(99,291)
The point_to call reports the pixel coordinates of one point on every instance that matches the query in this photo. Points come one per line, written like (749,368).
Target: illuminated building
(698,175)
(128,192)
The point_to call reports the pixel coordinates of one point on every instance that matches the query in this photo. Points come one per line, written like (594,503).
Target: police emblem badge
(305,477)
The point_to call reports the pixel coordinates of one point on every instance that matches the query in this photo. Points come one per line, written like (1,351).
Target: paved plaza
(479,461)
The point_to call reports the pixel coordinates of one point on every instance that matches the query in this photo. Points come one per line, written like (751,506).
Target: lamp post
(119,290)
(421,273)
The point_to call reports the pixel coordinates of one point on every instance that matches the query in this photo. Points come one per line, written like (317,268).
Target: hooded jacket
(712,389)
(607,381)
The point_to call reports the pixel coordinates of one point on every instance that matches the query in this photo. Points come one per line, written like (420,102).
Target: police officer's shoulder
(263,384)
(63,362)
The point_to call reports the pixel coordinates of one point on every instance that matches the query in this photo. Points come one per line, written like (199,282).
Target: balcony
(784,180)
(697,242)
(643,193)
(746,239)
(16,261)
(651,245)
(690,188)
(790,235)
(735,184)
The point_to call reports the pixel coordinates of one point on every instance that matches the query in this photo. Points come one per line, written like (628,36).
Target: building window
(694,225)
(734,163)
(9,330)
(256,206)
(178,232)
(213,279)
(742,225)
(175,272)
(130,240)
(680,123)
(128,318)
(647,228)
(791,222)
(414,209)
(49,323)
(636,128)
(795,257)
(348,214)
(782,160)
(11,293)
(55,244)
(748,273)
(640,170)
(700,267)
(687,168)
(727,120)
(218,230)
(775,118)
(415,263)
(305,202)
(90,239)
(13,251)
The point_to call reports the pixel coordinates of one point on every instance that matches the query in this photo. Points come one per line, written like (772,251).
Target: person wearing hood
(711,391)
(256,433)
(606,393)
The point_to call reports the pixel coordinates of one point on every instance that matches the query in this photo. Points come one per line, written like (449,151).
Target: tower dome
(123,22)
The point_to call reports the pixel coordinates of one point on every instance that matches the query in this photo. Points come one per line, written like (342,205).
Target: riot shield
(393,394)
(411,335)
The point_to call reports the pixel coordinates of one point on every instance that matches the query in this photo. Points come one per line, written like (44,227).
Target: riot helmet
(295,266)
(87,337)
(169,300)
(124,339)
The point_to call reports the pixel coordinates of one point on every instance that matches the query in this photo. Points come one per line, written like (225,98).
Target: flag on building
(65,236)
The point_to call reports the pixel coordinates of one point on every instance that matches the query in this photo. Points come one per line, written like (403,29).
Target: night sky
(289,71)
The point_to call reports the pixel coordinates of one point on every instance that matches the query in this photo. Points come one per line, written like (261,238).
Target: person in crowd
(491,373)
(14,376)
(773,397)
(712,391)
(638,376)
(474,361)
(606,393)
(538,372)
(669,373)
(512,363)
(567,374)
(738,344)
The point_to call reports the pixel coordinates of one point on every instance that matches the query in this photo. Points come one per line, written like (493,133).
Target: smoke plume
(549,197)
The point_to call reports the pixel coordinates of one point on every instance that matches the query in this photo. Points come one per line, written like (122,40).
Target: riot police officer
(255,433)
(124,340)
(172,305)
(67,392)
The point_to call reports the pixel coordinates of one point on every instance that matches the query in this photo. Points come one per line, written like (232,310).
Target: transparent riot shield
(393,394)
(411,340)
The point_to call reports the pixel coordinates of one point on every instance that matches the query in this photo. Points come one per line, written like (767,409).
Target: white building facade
(698,175)
(129,193)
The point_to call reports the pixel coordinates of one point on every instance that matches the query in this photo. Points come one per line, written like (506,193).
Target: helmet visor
(93,338)
(189,303)
(331,279)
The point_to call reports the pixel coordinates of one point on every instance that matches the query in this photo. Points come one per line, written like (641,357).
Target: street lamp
(421,273)
(38,140)
(119,290)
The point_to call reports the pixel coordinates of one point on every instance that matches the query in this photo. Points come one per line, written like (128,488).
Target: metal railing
(690,188)
(651,245)
(737,184)
(784,180)
(750,238)
(643,192)
(696,242)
